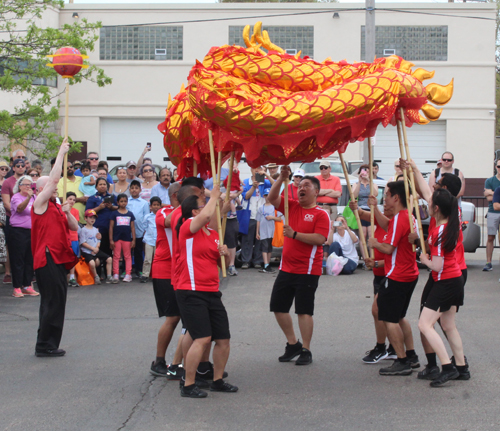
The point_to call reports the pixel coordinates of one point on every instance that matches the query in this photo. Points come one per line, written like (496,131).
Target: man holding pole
(401,274)
(52,257)
(301,265)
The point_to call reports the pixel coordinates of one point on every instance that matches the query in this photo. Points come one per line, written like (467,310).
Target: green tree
(24,47)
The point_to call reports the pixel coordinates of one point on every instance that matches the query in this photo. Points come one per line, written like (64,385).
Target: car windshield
(313,168)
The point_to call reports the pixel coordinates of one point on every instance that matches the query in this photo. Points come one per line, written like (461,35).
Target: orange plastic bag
(83,275)
(279,237)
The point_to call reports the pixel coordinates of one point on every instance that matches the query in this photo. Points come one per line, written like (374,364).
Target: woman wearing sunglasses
(149,176)
(21,258)
(4,170)
(447,160)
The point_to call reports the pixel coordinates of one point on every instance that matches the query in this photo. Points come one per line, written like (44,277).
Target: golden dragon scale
(283,108)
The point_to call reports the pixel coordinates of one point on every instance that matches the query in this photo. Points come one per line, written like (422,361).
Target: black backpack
(436,172)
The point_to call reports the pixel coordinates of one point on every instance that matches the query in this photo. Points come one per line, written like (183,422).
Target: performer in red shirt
(447,292)
(301,264)
(53,257)
(164,293)
(197,292)
(401,274)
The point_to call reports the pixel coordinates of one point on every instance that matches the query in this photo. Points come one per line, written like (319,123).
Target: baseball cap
(131,163)
(324,163)
(90,213)
(299,173)
(17,161)
(266,191)
(272,165)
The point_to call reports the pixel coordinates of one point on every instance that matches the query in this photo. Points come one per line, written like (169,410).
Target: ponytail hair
(448,206)
(188,205)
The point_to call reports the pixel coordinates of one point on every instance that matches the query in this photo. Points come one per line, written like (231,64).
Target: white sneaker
(232,270)
(127,279)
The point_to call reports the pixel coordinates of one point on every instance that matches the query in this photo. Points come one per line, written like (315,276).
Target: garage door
(124,139)
(427,144)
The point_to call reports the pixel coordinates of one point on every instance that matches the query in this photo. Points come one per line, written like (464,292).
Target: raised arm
(423,189)
(50,186)
(274,194)
(141,158)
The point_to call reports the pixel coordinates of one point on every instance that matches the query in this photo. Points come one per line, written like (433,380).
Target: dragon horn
(269,45)
(257,32)
(439,94)
(422,74)
(422,120)
(246,36)
(431,113)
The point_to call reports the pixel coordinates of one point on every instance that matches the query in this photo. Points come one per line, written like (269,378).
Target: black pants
(21,259)
(53,286)
(138,255)
(105,247)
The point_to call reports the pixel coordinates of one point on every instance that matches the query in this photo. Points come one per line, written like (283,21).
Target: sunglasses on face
(147,170)
(447,160)
(4,169)
(498,167)
(34,175)
(322,168)
(19,166)
(20,157)
(397,166)
(93,158)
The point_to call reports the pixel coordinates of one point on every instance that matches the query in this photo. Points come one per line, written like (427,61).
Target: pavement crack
(15,315)
(144,393)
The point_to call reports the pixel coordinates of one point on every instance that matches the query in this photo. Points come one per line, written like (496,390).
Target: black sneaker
(194,392)
(50,353)
(201,383)
(396,369)
(175,372)
(144,279)
(222,386)
(444,376)
(291,352)
(267,269)
(375,355)
(414,362)
(452,359)
(159,369)
(391,353)
(208,374)
(428,373)
(464,375)
(305,357)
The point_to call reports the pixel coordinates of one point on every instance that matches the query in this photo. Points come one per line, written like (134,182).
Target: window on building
(141,43)
(290,38)
(413,43)
(24,69)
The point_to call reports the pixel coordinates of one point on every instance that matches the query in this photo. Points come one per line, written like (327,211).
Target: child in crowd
(122,237)
(265,230)
(90,241)
(235,190)
(73,236)
(149,239)
(140,209)
(87,185)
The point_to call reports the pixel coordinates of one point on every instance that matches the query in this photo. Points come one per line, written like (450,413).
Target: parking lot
(103,383)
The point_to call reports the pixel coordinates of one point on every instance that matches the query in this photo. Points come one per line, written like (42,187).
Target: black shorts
(288,286)
(203,314)
(377,280)
(441,295)
(100,255)
(393,299)
(266,245)
(464,275)
(231,235)
(166,302)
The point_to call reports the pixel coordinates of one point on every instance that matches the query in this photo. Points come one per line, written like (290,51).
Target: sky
(213,1)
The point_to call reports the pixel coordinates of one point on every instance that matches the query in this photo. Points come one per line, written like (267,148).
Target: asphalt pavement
(103,382)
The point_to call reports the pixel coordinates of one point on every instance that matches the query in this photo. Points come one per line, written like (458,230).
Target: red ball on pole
(67,61)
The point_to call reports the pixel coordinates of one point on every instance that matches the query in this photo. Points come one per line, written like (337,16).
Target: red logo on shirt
(309,217)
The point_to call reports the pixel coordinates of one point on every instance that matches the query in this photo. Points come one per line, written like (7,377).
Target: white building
(148,50)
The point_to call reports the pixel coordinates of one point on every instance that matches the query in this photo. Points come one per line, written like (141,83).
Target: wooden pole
(372,193)
(286,201)
(228,190)
(356,213)
(412,182)
(195,168)
(65,163)
(214,176)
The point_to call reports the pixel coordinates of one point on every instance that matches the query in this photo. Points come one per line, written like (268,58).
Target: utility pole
(369,50)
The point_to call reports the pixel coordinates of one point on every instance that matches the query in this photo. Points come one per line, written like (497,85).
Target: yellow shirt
(73,186)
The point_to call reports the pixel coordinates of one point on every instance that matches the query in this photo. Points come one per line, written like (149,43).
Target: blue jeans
(350,266)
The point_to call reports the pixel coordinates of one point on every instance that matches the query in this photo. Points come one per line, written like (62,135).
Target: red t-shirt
(162,261)
(401,264)
(299,257)
(293,192)
(450,267)
(379,236)
(235,182)
(176,215)
(199,254)
(459,249)
(8,189)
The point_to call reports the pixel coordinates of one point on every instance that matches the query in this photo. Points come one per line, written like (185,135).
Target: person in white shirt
(342,241)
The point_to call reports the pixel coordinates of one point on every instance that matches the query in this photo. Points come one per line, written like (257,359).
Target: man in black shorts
(401,274)
(301,264)
(90,242)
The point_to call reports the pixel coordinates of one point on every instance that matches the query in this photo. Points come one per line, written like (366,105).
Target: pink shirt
(22,219)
